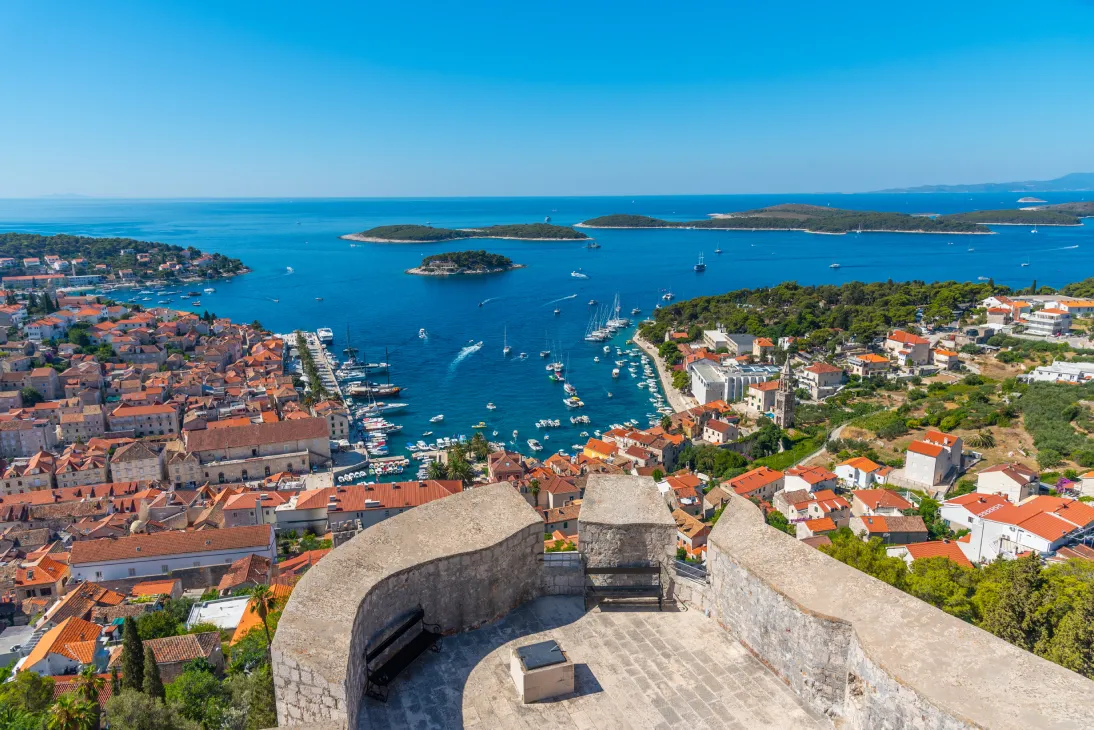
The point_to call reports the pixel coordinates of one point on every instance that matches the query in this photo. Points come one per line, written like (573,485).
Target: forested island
(463,262)
(118,259)
(428,234)
(1041,216)
(796,217)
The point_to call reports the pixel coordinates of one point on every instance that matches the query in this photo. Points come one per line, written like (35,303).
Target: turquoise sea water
(364,287)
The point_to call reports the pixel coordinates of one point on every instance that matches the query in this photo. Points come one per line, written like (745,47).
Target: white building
(1041,525)
(861,473)
(1016,482)
(1048,322)
(162,553)
(1061,372)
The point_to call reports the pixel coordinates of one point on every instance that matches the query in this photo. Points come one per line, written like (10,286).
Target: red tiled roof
(925,448)
(752,480)
(861,463)
(822,524)
(169,543)
(875,498)
(938,549)
(184,648)
(907,338)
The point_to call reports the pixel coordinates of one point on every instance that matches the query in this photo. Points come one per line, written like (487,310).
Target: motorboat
(535,445)
(208,290)
(607,349)
(557,311)
(422,334)
(544,353)
(615,372)
(717,250)
(592,302)
(491,407)
(596,359)
(573,402)
(833,266)
(289,270)
(480,424)
(579,274)
(325,335)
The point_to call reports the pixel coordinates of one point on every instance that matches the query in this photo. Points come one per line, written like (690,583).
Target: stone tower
(784,398)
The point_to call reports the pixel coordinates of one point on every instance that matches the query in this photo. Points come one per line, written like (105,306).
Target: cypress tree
(132,656)
(115,682)
(153,685)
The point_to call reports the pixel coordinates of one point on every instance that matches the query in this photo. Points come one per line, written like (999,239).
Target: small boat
(833,266)
(971,248)
(701,266)
(208,290)
(596,359)
(325,334)
(1025,264)
(667,296)
(288,270)
(522,356)
(195,303)
(609,394)
(193,294)
(422,334)
(615,372)
(592,302)
(427,433)
(535,445)
(607,349)
(319,299)
(547,219)
(490,406)
(592,244)
(544,353)
(437,419)
(579,274)
(480,424)
(1033,231)
(635,311)
(573,402)
(717,250)
(506,349)
(514,433)
(557,311)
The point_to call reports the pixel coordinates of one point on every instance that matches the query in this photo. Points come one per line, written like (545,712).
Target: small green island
(458,263)
(797,217)
(1062,214)
(428,234)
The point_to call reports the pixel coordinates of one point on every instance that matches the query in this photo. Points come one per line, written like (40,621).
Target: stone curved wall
(869,655)
(467,559)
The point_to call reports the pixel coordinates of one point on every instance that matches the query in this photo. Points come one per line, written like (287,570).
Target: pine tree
(153,684)
(132,656)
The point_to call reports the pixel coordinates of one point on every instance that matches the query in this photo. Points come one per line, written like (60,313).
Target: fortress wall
(869,655)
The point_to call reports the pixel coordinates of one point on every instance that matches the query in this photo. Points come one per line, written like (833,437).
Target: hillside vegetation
(108,251)
(792,216)
(410,232)
(821,314)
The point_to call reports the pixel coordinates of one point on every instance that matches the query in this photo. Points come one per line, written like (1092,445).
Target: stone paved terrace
(635,667)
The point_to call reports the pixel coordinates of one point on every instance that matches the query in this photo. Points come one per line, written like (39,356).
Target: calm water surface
(365,290)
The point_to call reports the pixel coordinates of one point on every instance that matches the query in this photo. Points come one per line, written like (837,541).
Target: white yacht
(579,274)
(422,334)
(833,266)
(325,335)
(437,418)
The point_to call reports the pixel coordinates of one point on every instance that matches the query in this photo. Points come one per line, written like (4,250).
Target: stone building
(784,398)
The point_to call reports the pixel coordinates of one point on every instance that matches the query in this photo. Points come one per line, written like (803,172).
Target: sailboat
(701,266)
(505,339)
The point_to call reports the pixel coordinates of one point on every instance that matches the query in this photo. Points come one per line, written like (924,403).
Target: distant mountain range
(1076,181)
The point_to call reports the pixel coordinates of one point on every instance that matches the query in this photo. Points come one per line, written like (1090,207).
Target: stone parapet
(624,521)
(466,560)
(869,655)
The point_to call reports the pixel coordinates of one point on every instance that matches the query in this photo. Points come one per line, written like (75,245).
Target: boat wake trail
(465,353)
(1064,248)
(561,299)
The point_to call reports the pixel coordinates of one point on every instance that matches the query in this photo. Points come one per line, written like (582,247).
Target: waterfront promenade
(677,400)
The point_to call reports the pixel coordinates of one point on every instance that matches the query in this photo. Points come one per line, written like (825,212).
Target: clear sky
(403,98)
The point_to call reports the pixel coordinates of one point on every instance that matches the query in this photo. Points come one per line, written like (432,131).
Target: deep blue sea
(365,290)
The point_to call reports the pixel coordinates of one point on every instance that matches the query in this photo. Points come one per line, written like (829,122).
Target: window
(98,575)
(254,452)
(132,572)
(165,569)
(197,563)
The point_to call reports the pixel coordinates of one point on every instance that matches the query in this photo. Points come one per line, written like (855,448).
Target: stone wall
(467,559)
(869,655)
(624,521)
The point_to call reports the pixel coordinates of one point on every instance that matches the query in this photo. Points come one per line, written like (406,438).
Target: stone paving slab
(635,667)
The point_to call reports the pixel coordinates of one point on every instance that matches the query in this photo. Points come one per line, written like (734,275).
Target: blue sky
(240,99)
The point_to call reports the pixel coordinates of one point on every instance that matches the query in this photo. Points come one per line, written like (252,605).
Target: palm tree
(982,440)
(70,712)
(437,470)
(264,602)
(533,487)
(88,687)
(458,468)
